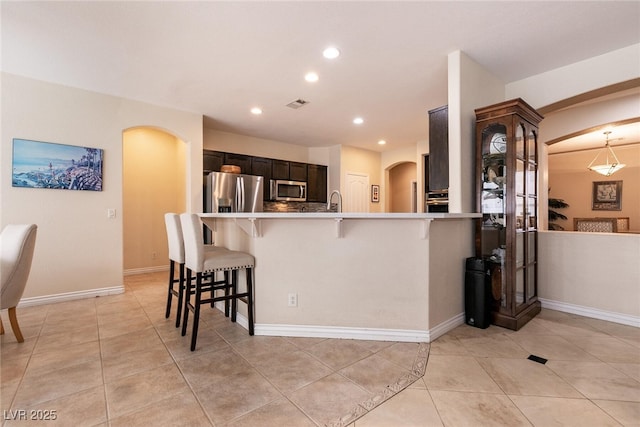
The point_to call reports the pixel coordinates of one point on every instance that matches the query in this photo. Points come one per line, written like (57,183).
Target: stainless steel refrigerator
(232,192)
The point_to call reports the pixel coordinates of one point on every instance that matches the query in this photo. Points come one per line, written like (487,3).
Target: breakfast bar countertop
(339,215)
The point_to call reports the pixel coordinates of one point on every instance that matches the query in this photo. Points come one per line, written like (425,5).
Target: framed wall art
(375,193)
(607,196)
(39,164)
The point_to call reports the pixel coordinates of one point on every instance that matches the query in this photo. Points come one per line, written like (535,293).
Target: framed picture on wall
(39,164)
(375,193)
(607,196)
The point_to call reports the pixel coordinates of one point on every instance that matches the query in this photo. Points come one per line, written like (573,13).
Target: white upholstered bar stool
(198,262)
(17,244)
(175,242)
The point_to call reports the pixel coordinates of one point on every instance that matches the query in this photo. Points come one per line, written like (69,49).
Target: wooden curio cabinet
(507,196)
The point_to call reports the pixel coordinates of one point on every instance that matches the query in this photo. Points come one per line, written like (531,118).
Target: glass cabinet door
(532,208)
(494,208)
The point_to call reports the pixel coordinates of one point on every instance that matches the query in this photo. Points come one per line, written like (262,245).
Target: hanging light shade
(606,168)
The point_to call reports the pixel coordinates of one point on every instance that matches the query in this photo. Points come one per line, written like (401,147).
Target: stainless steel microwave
(288,191)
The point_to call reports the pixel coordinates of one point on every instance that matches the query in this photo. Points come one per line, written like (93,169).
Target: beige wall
(401,178)
(578,78)
(575,188)
(450,243)
(242,144)
(79,251)
(593,274)
(366,162)
(470,87)
(154,183)
(390,159)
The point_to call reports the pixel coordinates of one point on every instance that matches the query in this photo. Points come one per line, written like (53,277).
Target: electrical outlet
(154,255)
(292,300)
(111,213)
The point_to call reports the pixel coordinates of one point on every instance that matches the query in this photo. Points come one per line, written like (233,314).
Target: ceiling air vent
(297,103)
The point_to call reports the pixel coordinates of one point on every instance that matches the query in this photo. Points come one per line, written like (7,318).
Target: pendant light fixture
(607,168)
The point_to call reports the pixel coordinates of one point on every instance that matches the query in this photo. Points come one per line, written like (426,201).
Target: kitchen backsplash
(298,207)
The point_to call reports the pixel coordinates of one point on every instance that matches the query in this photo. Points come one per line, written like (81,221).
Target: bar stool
(176,256)
(200,262)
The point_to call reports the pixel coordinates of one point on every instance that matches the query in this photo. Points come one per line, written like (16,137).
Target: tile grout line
(104,380)
(175,362)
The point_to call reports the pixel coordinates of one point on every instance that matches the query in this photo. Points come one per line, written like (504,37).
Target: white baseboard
(132,271)
(594,313)
(341,332)
(446,326)
(401,335)
(70,296)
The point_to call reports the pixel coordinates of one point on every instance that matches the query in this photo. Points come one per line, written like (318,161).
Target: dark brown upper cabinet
(280,169)
(241,160)
(298,171)
(439,149)
(316,183)
(262,167)
(212,161)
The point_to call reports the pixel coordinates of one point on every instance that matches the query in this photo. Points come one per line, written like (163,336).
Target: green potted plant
(555,215)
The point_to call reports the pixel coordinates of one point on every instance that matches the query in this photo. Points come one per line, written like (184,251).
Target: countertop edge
(344,215)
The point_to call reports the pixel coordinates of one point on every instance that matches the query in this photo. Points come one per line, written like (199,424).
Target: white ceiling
(220,59)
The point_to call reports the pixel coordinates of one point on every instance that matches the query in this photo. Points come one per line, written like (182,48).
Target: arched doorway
(402,192)
(154,182)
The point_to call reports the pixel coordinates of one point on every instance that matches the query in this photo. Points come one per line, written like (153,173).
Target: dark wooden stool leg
(181,290)
(170,292)
(213,292)
(250,299)
(187,298)
(196,311)
(234,290)
(226,293)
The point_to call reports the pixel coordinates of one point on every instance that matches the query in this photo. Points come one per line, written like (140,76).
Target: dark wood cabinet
(241,160)
(507,196)
(280,169)
(316,183)
(212,161)
(439,149)
(298,171)
(314,175)
(262,167)
(290,171)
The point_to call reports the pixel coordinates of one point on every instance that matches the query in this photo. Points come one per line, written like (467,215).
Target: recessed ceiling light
(331,52)
(382,142)
(358,121)
(257,111)
(311,77)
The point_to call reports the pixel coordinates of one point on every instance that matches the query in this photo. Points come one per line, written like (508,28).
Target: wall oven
(288,191)
(438,201)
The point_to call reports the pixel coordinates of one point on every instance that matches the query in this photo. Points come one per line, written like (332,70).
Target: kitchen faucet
(339,200)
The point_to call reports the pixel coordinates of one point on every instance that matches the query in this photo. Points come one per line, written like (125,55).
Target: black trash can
(477,293)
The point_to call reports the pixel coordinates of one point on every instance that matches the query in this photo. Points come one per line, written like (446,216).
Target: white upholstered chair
(17,243)
(175,242)
(200,262)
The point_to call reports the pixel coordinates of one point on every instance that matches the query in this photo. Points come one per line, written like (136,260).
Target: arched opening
(154,182)
(402,192)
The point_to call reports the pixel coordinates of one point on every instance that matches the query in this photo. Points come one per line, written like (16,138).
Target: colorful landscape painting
(48,165)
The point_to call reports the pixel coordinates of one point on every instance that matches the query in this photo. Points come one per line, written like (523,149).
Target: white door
(356,197)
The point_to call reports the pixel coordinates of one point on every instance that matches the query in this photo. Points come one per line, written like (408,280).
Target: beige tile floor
(116,361)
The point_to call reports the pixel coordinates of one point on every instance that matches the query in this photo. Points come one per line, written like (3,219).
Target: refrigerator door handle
(240,194)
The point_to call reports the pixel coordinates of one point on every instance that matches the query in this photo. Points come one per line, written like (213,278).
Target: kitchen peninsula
(394,276)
